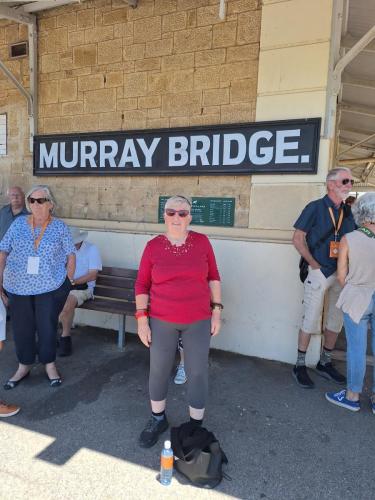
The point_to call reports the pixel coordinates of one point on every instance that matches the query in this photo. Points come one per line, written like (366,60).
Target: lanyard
(367,232)
(338,226)
(44,227)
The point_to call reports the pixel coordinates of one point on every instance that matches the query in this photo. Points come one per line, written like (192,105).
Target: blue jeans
(356,340)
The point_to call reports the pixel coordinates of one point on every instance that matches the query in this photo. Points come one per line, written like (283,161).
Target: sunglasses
(40,201)
(181,213)
(344,182)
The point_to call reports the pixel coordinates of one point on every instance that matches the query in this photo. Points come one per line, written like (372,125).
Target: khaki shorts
(317,288)
(82,295)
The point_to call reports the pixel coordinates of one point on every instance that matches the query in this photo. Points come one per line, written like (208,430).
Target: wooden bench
(114,293)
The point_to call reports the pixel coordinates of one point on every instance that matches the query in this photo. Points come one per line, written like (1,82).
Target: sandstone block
(127,104)
(48,92)
(99,34)
(191,4)
(69,19)
(165,6)
(57,40)
(243,90)
(124,30)
(224,35)
(208,15)
(192,40)
(91,82)
(133,52)
(72,108)
(147,29)
(191,19)
(85,18)
(66,63)
(183,104)
(248,30)
(209,57)
(48,110)
(50,63)
(207,78)
(237,71)
(216,97)
(115,16)
(157,123)
(150,64)
(84,55)
(115,79)
(144,9)
(159,47)
(135,84)
(200,120)
(153,101)
(48,23)
(243,53)
(178,61)
(173,22)
(134,119)
(110,121)
(86,123)
(232,113)
(109,52)
(76,38)
(52,125)
(96,101)
(153,113)
(67,89)
(242,6)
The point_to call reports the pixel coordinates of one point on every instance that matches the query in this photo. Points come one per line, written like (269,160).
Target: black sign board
(207,211)
(253,148)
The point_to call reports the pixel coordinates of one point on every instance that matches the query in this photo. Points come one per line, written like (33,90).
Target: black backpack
(198,455)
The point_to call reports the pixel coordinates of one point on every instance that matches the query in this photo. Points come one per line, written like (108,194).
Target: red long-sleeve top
(177,278)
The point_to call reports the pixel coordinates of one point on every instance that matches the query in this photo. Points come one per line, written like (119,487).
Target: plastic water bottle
(166,464)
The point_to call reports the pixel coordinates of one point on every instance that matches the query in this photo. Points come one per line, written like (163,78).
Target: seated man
(5,410)
(88,263)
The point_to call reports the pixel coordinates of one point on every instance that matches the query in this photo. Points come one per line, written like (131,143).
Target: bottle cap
(167,444)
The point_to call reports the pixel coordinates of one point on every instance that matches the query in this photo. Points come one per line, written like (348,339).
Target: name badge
(334,249)
(33,265)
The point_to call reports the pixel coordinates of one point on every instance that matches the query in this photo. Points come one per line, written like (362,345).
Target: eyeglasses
(40,201)
(181,213)
(344,182)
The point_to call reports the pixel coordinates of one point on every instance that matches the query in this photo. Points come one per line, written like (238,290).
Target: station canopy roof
(356,110)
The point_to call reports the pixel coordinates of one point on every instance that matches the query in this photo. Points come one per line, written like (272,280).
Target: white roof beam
(349,41)
(47,4)
(359,110)
(354,81)
(18,15)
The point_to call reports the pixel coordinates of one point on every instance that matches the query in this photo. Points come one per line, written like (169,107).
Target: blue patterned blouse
(55,245)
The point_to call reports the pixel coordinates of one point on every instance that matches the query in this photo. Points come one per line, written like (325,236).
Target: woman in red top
(178,292)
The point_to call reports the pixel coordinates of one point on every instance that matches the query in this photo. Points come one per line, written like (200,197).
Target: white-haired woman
(37,262)
(178,288)
(356,273)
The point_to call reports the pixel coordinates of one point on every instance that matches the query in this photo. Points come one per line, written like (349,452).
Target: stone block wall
(167,63)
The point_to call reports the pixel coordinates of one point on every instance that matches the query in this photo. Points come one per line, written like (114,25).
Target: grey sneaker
(180,377)
(150,434)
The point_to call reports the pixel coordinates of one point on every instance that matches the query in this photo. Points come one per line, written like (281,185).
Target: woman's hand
(4,297)
(215,322)
(144,331)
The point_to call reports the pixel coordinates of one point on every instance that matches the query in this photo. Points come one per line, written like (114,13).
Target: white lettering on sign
(178,155)
(108,150)
(265,153)
(148,151)
(282,146)
(48,159)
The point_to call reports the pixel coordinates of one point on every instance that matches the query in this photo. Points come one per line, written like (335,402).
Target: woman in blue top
(37,262)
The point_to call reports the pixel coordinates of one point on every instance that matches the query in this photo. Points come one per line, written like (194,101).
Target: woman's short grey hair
(48,194)
(332,174)
(364,209)
(178,199)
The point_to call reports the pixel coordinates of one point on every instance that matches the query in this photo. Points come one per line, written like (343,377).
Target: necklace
(177,241)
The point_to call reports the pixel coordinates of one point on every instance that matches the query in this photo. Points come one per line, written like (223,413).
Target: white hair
(364,209)
(177,199)
(332,174)
(48,193)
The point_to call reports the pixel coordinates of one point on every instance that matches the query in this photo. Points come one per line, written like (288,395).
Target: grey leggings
(196,341)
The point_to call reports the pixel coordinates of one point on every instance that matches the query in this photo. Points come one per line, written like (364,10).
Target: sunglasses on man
(40,201)
(181,213)
(344,182)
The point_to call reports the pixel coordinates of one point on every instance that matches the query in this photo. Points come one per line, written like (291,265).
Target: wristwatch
(72,282)
(217,305)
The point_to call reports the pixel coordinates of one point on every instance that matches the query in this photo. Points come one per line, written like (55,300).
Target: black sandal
(54,382)
(11,384)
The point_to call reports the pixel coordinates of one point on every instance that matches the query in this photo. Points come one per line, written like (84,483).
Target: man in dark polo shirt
(326,216)
(15,208)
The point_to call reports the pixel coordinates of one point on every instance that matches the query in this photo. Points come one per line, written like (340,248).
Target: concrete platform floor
(79,441)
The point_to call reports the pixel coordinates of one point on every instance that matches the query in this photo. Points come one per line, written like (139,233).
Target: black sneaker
(65,346)
(152,431)
(302,378)
(329,372)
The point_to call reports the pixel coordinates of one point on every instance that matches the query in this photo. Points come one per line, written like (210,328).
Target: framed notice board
(207,211)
